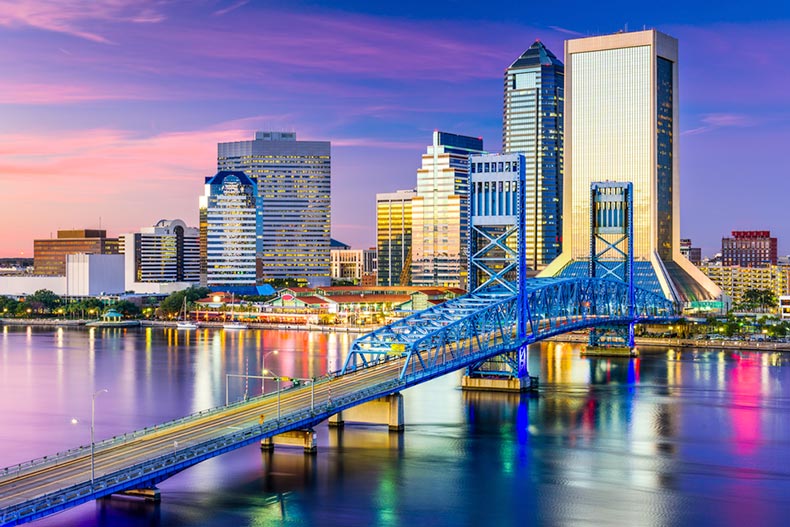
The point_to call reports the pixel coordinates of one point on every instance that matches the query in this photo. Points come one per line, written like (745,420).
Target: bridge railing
(155,469)
(14,471)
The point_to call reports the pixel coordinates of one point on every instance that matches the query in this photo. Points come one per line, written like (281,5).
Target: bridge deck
(429,344)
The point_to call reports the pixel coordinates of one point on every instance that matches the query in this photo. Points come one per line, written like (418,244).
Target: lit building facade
(228,231)
(440,211)
(621,125)
(749,249)
(49,256)
(293,180)
(735,280)
(168,252)
(393,235)
(347,264)
(533,126)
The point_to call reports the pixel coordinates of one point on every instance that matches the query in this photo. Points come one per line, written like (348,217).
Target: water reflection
(608,441)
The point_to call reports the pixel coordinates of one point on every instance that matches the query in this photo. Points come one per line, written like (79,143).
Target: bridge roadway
(458,333)
(176,439)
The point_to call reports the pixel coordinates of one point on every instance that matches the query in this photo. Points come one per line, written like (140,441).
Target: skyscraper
(621,124)
(533,126)
(293,181)
(228,231)
(393,235)
(167,253)
(439,211)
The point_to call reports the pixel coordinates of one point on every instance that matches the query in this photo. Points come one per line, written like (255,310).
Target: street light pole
(93,443)
(263,368)
(278,398)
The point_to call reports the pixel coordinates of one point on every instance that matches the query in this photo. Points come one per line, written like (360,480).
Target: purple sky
(112,109)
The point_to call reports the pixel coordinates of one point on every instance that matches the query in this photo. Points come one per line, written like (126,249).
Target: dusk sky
(112,109)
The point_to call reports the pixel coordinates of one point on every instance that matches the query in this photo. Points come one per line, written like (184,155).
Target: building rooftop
(537,55)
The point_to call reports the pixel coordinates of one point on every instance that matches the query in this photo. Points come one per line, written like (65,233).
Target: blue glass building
(533,126)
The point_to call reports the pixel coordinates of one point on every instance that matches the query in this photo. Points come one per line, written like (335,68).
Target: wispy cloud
(714,121)
(566,31)
(76,17)
(231,8)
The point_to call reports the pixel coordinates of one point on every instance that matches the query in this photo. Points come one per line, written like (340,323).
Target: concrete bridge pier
(611,341)
(303,438)
(387,410)
(499,384)
(148,494)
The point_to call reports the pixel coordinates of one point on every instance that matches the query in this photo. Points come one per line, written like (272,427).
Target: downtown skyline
(115,112)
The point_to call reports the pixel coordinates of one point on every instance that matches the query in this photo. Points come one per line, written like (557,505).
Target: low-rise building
(85,275)
(49,256)
(735,280)
(784,307)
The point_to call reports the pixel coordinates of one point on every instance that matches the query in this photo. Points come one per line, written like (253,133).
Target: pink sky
(113,109)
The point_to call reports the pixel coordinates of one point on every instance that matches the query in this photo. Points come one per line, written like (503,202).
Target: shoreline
(687,343)
(44,322)
(568,337)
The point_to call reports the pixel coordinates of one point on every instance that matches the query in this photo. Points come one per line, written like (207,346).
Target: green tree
(173,303)
(759,298)
(127,308)
(8,306)
(44,300)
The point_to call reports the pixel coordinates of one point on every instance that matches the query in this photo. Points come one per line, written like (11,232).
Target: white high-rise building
(228,231)
(621,124)
(440,211)
(293,182)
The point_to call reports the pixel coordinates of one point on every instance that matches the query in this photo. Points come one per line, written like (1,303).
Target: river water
(675,437)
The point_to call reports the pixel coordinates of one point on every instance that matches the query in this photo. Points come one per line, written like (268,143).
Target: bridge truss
(482,325)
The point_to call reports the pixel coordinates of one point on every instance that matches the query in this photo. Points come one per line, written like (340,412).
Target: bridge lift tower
(612,257)
(497,260)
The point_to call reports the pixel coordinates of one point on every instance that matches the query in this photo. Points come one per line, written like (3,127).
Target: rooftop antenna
(625,30)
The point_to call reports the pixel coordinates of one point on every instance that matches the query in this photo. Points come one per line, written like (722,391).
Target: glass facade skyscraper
(533,126)
(229,218)
(393,235)
(439,211)
(621,124)
(293,180)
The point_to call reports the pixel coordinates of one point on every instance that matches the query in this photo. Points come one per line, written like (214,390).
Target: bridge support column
(151,494)
(387,410)
(303,438)
(499,384)
(615,341)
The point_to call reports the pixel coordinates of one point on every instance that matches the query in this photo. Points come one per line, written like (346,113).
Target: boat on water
(183,321)
(233,325)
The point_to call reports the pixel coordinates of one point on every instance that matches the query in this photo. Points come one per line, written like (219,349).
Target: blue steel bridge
(457,334)
(493,324)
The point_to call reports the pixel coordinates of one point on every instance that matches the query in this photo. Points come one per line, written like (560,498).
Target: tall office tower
(393,235)
(439,211)
(229,218)
(167,253)
(49,256)
(621,124)
(293,179)
(533,126)
(749,249)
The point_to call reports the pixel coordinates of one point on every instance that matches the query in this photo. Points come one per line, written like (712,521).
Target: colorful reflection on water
(675,437)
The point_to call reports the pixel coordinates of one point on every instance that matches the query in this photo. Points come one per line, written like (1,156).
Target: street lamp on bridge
(93,420)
